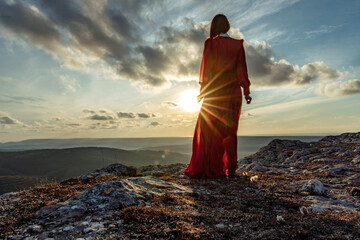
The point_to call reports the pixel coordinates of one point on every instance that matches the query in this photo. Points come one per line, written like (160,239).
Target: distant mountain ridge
(120,143)
(246,144)
(58,164)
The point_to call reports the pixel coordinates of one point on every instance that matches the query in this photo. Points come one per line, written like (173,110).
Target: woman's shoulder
(236,40)
(224,38)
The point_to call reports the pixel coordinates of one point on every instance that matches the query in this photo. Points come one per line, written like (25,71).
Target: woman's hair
(219,24)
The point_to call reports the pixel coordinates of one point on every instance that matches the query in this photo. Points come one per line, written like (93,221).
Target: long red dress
(223,72)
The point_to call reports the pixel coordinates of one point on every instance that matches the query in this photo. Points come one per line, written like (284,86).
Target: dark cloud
(19,18)
(101,117)
(133,115)
(350,87)
(125,115)
(145,115)
(108,31)
(154,124)
(154,58)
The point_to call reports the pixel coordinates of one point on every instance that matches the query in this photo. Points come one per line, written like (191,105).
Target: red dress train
(223,72)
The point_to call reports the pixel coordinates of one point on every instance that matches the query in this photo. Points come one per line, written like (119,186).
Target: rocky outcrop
(115,169)
(327,170)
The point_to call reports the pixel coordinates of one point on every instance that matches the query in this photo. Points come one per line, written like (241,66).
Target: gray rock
(314,186)
(113,169)
(220,225)
(107,196)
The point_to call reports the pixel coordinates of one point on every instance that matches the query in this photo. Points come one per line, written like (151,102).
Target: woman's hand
(248,99)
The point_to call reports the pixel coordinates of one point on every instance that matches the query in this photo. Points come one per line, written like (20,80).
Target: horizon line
(264,135)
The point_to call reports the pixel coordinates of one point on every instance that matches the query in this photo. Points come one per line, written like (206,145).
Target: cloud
(264,70)
(323,29)
(145,115)
(154,124)
(107,32)
(20,99)
(29,22)
(125,115)
(8,120)
(133,115)
(23,19)
(114,35)
(101,117)
(349,87)
(73,124)
(170,104)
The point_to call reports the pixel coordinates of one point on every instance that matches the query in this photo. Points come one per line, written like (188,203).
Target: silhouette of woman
(223,73)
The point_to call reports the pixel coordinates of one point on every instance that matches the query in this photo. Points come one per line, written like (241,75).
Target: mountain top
(288,189)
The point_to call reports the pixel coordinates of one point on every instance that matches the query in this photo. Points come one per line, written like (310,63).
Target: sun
(188,100)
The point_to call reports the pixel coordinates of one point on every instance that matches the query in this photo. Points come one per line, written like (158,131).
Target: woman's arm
(242,73)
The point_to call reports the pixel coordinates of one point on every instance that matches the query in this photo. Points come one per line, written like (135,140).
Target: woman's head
(219,24)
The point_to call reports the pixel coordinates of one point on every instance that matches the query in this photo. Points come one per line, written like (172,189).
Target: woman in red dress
(222,75)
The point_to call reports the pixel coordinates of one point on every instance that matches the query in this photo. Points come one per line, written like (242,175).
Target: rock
(280,219)
(317,208)
(68,228)
(97,225)
(321,203)
(87,230)
(107,196)
(113,169)
(220,225)
(314,186)
(159,170)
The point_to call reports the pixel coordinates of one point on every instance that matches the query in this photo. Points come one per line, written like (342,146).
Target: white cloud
(323,29)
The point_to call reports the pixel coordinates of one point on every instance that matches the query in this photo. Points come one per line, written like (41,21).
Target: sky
(130,68)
